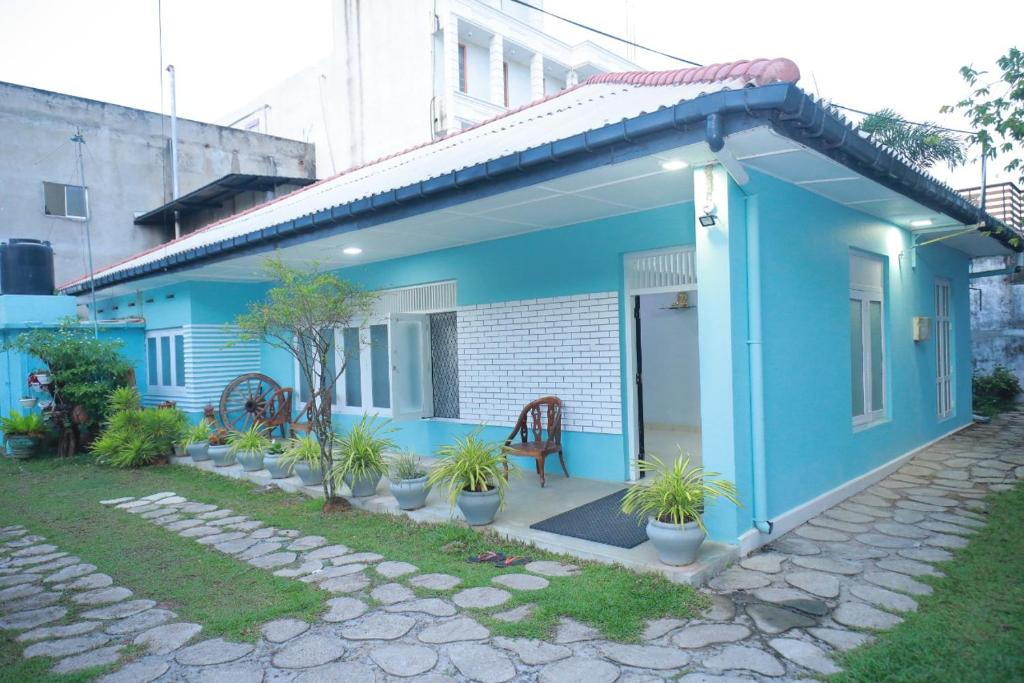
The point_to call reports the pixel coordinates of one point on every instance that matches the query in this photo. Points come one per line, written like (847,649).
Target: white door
(411,390)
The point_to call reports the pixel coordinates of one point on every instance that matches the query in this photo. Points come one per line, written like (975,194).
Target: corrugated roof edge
(790,111)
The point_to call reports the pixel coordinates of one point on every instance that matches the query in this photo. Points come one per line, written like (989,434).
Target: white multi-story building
(404,72)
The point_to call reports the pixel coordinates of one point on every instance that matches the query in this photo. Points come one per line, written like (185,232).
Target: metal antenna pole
(79,141)
(174,148)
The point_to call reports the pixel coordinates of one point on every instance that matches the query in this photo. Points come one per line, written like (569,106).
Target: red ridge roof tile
(752,71)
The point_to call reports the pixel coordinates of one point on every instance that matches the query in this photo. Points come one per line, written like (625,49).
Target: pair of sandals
(499,560)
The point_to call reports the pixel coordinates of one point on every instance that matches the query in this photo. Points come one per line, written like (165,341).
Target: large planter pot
(277,471)
(478,508)
(363,485)
(310,476)
(222,456)
(198,451)
(179,450)
(22,446)
(676,545)
(251,461)
(411,494)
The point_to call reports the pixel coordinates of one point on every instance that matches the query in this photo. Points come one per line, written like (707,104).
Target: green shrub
(29,424)
(995,392)
(136,436)
(124,399)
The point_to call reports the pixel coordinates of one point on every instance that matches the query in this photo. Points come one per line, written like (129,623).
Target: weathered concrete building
(127,175)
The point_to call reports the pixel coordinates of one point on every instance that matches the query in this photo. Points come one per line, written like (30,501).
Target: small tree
(924,144)
(300,315)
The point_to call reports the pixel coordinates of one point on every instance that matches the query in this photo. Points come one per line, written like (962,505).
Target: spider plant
(253,439)
(359,452)
(301,450)
(470,464)
(676,494)
(198,433)
(404,466)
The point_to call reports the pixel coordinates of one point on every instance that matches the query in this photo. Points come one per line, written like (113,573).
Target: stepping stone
(433,606)
(770,563)
(352,583)
(327,552)
(116,501)
(228,520)
(437,582)
(272,560)
(549,568)
(129,504)
(907,516)
(86,583)
(160,495)
(35,559)
(140,622)
(453,630)
(304,569)
(908,567)
(172,500)
(137,672)
(859,615)
(379,627)
(848,516)
(946,541)
(244,526)
(215,651)
(390,593)
(880,597)
(264,533)
(521,582)
(165,639)
(119,611)
(939,501)
(237,546)
(722,608)
(703,635)
(87,660)
(840,639)
(817,533)
(870,500)
(31,618)
(656,628)
(21,591)
(102,596)
(197,531)
(332,572)
(47,632)
(262,548)
(898,582)
(579,670)
(183,524)
(919,506)
(901,530)
(307,543)
(221,537)
(746,658)
(404,660)
(362,558)
(45,549)
(533,652)
(838,525)
(572,631)
(309,651)
(735,579)
(816,583)
(514,615)
(806,655)
(215,514)
(66,646)
(958,519)
(18,579)
(31,602)
(827,564)
(885,541)
(865,510)
(393,570)
(339,672)
(281,630)
(773,619)
(481,598)
(158,513)
(343,609)
(481,663)
(926,554)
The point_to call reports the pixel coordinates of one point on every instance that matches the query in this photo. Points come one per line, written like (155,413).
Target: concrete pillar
(497,75)
(451,70)
(722,343)
(536,77)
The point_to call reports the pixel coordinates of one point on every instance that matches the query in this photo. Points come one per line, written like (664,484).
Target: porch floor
(526,503)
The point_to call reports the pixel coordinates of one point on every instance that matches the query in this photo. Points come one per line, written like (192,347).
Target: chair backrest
(542,418)
(279,408)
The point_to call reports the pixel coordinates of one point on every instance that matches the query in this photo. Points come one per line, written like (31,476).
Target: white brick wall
(513,352)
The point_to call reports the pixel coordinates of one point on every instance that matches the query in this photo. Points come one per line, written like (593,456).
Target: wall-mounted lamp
(709,217)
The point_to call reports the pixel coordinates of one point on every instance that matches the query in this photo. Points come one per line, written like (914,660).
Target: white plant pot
(677,546)
(28,402)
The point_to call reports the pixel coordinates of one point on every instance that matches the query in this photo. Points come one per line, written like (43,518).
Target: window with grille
(444,363)
(165,361)
(943,355)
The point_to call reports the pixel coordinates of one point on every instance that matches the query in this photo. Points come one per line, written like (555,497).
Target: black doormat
(600,521)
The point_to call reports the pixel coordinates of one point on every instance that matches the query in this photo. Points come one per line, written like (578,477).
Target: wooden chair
(539,429)
(307,414)
(278,413)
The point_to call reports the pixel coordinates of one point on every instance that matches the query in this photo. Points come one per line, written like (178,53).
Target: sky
(868,55)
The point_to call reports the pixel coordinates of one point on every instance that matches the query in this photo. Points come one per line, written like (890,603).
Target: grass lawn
(971,628)
(60,500)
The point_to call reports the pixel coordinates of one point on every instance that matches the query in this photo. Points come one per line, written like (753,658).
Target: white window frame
(159,388)
(867,295)
(65,186)
(945,397)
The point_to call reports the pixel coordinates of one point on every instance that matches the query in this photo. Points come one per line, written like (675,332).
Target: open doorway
(667,364)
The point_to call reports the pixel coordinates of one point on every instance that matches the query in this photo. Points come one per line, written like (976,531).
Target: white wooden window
(943,355)
(165,361)
(867,339)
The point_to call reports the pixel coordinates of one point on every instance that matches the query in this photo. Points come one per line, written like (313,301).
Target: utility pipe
(756,361)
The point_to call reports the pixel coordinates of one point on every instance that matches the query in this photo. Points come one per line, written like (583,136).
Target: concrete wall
(997,318)
(127,169)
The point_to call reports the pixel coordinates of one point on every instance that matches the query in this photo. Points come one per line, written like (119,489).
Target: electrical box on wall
(922,328)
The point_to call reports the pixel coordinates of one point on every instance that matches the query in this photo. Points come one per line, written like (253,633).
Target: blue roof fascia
(785,107)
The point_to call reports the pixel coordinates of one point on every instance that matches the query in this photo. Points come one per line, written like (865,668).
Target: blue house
(706,258)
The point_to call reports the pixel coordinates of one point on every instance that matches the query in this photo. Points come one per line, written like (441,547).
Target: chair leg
(561,459)
(540,471)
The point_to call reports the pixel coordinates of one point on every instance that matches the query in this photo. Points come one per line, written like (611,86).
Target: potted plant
(471,469)
(302,454)
(408,481)
(272,461)
(197,441)
(673,502)
(23,433)
(359,455)
(249,446)
(27,402)
(219,450)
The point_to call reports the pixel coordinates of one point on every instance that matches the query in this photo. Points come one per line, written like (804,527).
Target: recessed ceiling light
(921,223)
(352,251)
(674,165)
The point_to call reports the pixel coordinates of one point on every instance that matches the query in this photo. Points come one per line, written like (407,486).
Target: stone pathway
(779,614)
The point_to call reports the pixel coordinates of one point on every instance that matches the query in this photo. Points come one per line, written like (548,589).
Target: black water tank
(26,267)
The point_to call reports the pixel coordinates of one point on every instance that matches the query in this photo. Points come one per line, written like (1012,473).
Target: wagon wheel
(246,400)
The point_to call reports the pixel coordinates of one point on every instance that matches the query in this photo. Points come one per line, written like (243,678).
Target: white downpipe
(756,360)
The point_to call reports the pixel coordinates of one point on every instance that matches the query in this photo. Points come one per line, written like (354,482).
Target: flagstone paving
(779,614)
